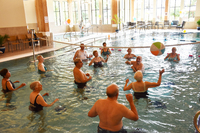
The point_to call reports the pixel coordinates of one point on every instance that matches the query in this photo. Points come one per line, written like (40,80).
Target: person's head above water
(40,58)
(112,90)
(138,76)
(78,62)
(82,46)
(95,53)
(129,50)
(174,50)
(3,72)
(139,59)
(34,85)
(104,44)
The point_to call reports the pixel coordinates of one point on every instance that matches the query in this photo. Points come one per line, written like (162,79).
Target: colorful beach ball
(157,48)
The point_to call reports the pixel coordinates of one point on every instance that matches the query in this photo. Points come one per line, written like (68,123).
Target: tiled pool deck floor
(38,50)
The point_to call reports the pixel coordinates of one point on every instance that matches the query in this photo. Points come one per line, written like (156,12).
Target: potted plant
(117,21)
(2,41)
(198,22)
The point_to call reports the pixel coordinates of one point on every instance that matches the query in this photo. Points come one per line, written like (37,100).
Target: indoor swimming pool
(169,108)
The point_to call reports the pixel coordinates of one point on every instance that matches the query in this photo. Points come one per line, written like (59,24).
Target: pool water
(169,108)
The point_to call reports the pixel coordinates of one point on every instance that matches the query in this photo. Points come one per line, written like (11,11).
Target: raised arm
(166,56)
(130,114)
(178,57)
(41,101)
(127,87)
(154,84)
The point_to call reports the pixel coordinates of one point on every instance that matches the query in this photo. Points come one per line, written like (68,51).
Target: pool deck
(39,50)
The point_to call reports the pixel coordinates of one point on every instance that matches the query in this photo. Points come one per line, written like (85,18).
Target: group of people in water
(110,112)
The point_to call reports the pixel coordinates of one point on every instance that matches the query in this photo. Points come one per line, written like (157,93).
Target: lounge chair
(174,24)
(181,26)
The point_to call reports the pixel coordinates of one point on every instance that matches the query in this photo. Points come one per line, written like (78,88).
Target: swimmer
(37,102)
(173,56)
(137,65)
(80,78)
(140,87)
(41,67)
(97,60)
(81,54)
(111,112)
(7,85)
(129,55)
(105,51)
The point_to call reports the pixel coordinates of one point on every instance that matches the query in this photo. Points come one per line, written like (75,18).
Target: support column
(114,10)
(42,15)
(166,9)
(132,10)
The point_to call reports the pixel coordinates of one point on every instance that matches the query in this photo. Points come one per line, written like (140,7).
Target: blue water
(169,108)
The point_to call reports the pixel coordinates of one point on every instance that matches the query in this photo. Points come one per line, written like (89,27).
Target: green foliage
(198,22)
(116,19)
(3,39)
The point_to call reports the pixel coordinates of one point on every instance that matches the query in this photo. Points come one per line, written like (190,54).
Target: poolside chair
(132,25)
(125,27)
(23,40)
(13,41)
(141,25)
(35,40)
(42,39)
(149,25)
(166,23)
(158,25)
(181,26)
(174,24)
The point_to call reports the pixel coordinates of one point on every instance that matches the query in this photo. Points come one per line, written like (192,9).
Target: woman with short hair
(140,87)
(37,102)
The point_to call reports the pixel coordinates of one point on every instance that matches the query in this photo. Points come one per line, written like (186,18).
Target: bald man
(111,112)
(137,65)
(80,78)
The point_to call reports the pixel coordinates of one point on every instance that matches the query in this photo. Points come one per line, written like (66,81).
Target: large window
(84,11)
(137,12)
(122,10)
(75,12)
(189,11)
(125,10)
(148,10)
(175,9)
(106,11)
(56,7)
(65,11)
(160,10)
(95,11)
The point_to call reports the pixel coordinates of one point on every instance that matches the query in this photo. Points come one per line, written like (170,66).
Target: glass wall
(160,10)
(65,11)
(75,11)
(124,10)
(95,11)
(148,10)
(174,9)
(106,11)
(56,9)
(137,12)
(189,10)
(84,11)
